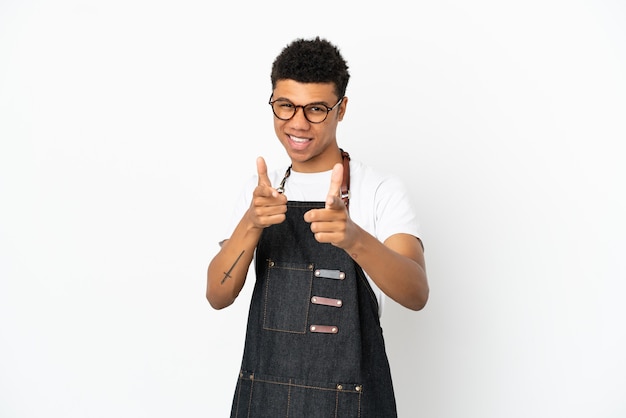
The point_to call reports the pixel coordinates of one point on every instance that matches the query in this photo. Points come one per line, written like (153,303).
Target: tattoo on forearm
(227,273)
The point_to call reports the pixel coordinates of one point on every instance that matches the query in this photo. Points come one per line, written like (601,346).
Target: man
(331,238)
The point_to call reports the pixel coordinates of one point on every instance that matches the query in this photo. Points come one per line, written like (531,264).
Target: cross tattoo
(227,273)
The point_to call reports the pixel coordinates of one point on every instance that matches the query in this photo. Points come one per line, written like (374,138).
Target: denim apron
(314,345)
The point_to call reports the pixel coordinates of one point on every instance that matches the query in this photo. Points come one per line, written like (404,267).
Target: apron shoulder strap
(345,185)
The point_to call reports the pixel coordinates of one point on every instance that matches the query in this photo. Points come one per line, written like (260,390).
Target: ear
(342,108)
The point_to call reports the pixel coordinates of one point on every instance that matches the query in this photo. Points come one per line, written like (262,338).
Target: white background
(128,127)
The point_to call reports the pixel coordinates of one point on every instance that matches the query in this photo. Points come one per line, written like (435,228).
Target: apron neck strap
(345,185)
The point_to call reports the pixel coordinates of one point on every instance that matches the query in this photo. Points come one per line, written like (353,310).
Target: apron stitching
(239,391)
(271,265)
(282,330)
(267,286)
(303,386)
(288,398)
(250,400)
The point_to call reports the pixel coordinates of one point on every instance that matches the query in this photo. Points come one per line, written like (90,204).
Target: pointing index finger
(261,169)
(334,192)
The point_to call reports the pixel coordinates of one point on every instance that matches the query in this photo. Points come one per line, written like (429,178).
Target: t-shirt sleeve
(241,204)
(395,210)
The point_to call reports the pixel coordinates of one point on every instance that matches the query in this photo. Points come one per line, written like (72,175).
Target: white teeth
(299,140)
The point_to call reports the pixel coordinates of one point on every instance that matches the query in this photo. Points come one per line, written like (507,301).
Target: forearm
(227,271)
(397,267)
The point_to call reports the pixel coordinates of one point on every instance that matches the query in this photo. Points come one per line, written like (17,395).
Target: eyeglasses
(313,112)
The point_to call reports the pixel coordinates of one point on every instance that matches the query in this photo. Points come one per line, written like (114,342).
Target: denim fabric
(289,367)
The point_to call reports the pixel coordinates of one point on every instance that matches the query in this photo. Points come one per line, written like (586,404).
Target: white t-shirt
(379,202)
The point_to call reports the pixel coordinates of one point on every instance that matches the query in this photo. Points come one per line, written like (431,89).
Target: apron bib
(314,346)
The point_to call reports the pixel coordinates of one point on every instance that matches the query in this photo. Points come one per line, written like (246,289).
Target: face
(312,147)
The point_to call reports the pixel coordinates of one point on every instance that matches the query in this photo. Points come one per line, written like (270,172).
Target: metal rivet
(334,329)
(342,275)
(313,299)
(310,266)
(271,264)
(312,328)
(251,377)
(317,273)
(339,302)
(358,388)
(339,387)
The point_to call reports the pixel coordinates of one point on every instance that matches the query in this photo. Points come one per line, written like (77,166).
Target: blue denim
(314,346)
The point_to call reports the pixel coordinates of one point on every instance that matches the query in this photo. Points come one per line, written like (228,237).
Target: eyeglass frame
(295,107)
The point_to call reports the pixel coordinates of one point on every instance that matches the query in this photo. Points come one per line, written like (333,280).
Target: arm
(397,266)
(227,271)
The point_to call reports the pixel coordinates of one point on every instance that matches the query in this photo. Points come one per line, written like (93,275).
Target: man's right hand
(268,207)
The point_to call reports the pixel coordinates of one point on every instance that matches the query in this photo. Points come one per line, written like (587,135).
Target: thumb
(261,169)
(334,192)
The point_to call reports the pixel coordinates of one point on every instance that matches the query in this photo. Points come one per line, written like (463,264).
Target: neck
(319,163)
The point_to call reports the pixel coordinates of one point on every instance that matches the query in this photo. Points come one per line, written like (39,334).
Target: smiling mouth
(299,140)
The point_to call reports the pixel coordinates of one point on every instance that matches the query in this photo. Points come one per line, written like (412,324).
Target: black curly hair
(311,61)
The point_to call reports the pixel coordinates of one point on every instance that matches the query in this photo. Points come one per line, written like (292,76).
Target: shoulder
(371,180)
(381,202)
(370,172)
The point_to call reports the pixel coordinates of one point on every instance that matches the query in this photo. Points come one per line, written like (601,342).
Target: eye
(316,109)
(285,105)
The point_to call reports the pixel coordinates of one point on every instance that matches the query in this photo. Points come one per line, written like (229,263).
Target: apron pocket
(287,296)
(274,397)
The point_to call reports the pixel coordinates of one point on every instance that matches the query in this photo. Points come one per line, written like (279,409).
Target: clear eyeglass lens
(283,109)
(286,110)
(315,113)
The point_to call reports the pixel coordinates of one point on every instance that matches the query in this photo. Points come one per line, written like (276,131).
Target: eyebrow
(311,103)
